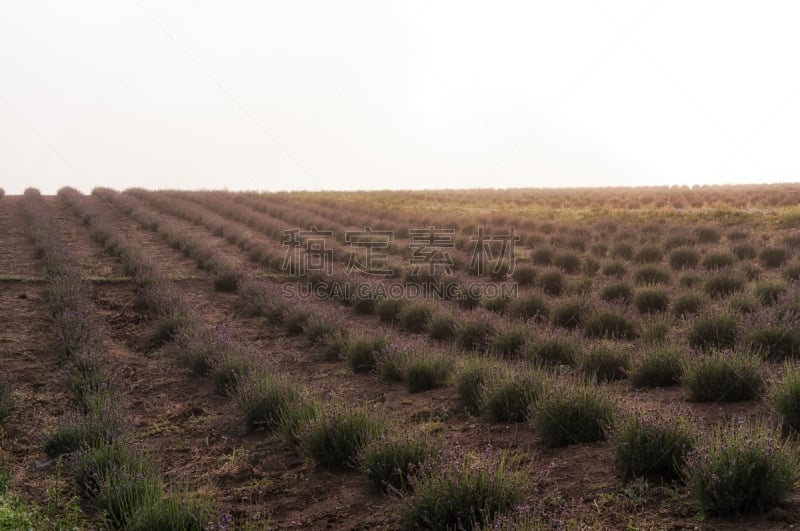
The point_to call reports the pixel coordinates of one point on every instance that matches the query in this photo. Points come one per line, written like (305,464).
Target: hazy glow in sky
(284,95)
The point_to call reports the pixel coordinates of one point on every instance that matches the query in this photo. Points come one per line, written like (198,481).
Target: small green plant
(724,376)
(655,330)
(775,341)
(743,305)
(570,314)
(690,281)
(615,268)
(786,398)
(649,254)
(199,346)
(469,298)
(510,341)
(542,256)
(554,351)
(169,324)
(264,400)
(227,281)
(688,304)
(773,257)
(651,300)
(363,305)
(722,285)
(683,258)
(741,467)
(717,261)
(652,274)
(337,435)
(89,380)
(18,514)
(769,292)
(581,287)
(713,330)
(393,460)
(744,251)
(707,234)
(590,266)
(334,345)
(605,363)
(531,307)
(610,325)
(427,371)
(792,272)
(388,310)
(296,418)
(567,262)
(495,304)
(462,491)
(524,275)
(228,369)
(569,412)
(679,240)
(363,353)
(751,272)
(97,426)
(274,312)
(622,250)
(737,235)
(122,493)
(94,464)
(442,327)
(173,512)
(646,443)
(790,219)
(317,329)
(599,250)
(507,395)
(470,381)
(392,364)
(792,241)
(474,334)
(415,317)
(620,292)
(295,321)
(552,283)
(659,367)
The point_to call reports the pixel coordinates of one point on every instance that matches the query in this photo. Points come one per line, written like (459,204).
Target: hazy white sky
(279,95)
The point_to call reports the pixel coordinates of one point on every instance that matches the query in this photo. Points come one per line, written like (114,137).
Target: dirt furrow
(16,250)
(173,262)
(218,244)
(28,356)
(93,260)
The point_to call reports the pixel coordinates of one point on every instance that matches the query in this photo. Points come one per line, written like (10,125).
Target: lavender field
(487,359)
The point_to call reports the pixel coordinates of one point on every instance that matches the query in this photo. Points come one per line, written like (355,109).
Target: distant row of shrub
(120,481)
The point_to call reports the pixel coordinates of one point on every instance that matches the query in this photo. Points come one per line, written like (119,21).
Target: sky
(370,94)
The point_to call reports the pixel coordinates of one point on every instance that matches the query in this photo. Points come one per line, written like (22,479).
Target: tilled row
(120,481)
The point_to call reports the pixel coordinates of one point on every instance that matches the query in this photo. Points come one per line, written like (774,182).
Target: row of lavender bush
(123,483)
